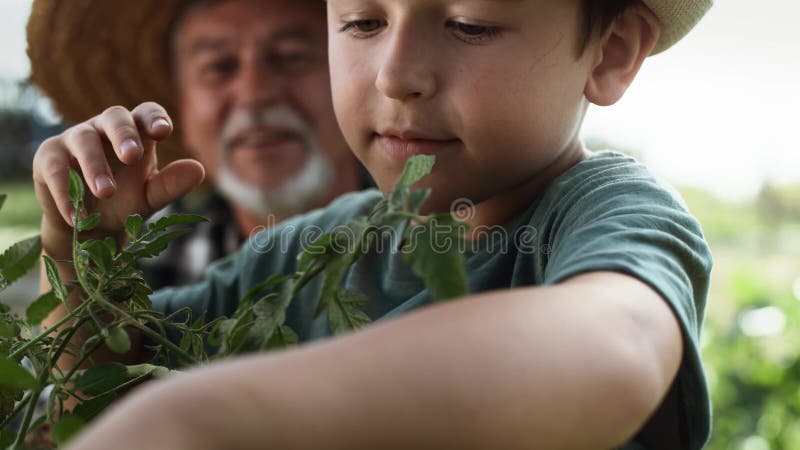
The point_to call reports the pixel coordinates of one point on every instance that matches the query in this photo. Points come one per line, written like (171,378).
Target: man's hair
(598,15)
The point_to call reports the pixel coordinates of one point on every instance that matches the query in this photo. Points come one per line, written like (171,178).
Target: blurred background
(716,116)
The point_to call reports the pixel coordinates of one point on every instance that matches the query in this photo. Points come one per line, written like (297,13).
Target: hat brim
(677,18)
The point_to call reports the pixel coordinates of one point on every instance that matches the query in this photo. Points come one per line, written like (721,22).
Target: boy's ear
(620,54)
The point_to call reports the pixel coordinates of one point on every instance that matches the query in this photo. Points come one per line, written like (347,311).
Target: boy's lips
(404,144)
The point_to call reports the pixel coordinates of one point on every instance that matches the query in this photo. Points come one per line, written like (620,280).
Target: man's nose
(406,71)
(258,84)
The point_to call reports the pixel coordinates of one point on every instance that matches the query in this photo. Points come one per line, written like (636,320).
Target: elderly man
(248,81)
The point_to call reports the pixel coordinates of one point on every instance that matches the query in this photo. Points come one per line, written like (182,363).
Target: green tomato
(117,340)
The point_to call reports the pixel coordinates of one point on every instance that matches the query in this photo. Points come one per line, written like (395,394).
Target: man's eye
(362,27)
(292,61)
(219,67)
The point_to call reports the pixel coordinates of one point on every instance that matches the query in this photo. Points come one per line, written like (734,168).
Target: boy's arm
(577,365)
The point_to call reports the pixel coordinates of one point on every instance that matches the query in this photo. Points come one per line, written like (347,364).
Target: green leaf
(111,245)
(89,409)
(132,225)
(316,251)
(8,398)
(2,200)
(14,376)
(8,328)
(18,259)
(283,337)
(436,258)
(75,189)
(344,313)
(417,167)
(173,220)
(100,254)
(147,249)
(416,199)
(7,437)
(89,223)
(269,315)
(66,428)
(261,288)
(54,277)
(334,273)
(41,307)
(144,370)
(101,379)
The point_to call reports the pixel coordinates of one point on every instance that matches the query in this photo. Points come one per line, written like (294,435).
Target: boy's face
(494,88)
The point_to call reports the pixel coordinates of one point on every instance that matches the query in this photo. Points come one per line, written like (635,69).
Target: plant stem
(26,421)
(165,342)
(71,315)
(98,298)
(86,355)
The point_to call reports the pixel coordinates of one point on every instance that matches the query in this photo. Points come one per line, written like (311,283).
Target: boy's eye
(471,30)
(362,27)
(474,34)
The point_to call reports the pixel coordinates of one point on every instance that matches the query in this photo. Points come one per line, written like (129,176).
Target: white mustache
(276,118)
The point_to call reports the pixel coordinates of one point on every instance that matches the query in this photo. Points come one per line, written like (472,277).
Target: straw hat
(88,55)
(677,18)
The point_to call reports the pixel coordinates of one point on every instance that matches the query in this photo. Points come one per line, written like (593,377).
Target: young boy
(595,345)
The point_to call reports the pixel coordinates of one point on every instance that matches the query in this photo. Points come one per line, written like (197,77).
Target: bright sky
(719,110)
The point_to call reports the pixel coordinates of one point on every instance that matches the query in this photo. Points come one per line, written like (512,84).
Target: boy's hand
(115,152)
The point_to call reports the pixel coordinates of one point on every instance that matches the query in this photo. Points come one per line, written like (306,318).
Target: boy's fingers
(173,182)
(152,120)
(117,124)
(86,146)
(51,174)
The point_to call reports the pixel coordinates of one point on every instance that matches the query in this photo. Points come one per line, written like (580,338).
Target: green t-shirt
(607,212)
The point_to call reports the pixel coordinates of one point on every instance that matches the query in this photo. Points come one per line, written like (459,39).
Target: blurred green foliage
(21,208)
(751,339)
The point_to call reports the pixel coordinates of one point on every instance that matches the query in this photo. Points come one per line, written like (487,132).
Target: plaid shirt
(187,257)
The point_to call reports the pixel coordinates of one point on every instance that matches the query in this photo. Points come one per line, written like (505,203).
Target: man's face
(492,87)
(241,64)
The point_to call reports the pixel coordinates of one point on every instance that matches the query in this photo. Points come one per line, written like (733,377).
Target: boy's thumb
(172,182)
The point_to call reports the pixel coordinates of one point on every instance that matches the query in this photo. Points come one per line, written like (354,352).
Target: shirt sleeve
(621,219)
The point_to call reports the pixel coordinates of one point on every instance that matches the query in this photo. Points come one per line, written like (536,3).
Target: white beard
(304,191)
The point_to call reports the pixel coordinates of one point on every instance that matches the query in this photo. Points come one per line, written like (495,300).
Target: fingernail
(129,147)
(103,183)
(158,123)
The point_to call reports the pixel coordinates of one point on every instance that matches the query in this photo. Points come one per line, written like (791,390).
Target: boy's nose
(405,71)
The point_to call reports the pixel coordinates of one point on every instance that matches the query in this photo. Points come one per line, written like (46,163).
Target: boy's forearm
(527,368)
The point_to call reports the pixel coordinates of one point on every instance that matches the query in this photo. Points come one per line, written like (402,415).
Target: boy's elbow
(648,354)
(644,350)
(638,388)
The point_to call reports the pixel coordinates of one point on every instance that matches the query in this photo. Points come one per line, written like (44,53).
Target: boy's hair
(598,15)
